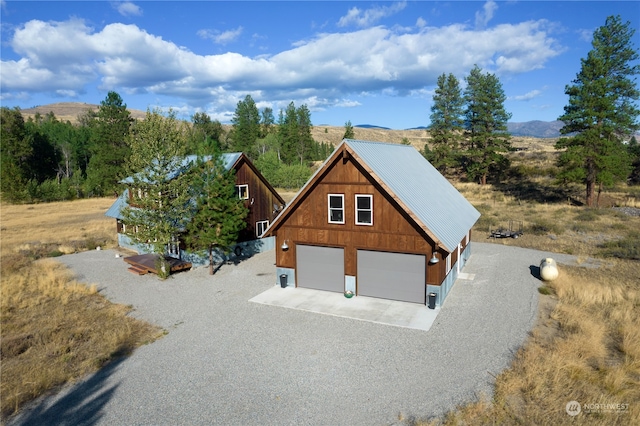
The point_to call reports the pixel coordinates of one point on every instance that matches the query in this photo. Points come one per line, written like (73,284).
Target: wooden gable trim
(236,166)
(389,192)
(344,152)
(311,183)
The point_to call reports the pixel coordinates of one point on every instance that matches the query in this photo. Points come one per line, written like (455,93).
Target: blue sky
(366,62)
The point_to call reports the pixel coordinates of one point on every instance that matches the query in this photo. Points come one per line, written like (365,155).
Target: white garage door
(320,268)
(393,276)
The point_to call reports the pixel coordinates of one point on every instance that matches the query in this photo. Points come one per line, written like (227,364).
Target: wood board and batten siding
(385,250)
(309,223)
(263,201)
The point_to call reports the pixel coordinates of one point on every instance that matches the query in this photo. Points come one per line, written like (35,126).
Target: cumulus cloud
(221,37)
(368,17)
(483,17)
(527,96)
(585,35)
(323,71)
(127,8)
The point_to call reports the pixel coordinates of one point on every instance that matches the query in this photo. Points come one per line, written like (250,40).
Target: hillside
(69,111)
(524,133)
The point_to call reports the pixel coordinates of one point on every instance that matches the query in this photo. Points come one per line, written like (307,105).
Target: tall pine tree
(446,123)
(485,123)
(219,213)
(602,111)
(160,201)
(109,145)
(246,126)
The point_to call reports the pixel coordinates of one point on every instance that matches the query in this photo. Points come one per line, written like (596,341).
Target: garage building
(376,219)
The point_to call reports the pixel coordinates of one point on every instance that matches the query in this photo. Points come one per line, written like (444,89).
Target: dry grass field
(585,347)
(55,329)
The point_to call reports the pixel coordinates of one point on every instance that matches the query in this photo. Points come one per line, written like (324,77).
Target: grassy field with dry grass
(586,344)
(55,329)
(585,347)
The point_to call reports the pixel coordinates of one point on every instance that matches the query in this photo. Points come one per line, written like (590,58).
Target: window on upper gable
(364,209)
(336,208)
(242,191)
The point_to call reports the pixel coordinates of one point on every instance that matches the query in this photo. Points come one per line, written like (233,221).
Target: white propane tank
(548,269)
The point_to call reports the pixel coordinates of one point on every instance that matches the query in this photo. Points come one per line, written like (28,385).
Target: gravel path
(228,361)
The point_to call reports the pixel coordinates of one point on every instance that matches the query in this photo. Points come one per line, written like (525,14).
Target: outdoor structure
(376,219)
(262,200)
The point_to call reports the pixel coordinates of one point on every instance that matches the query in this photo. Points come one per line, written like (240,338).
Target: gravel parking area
(228,361)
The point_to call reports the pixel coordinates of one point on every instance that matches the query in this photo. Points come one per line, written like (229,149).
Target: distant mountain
(371,126)
(536,129)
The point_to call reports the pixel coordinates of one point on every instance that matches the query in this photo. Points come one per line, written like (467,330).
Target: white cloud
(483,17)
(347,103)
(585,35)
(421,23)
(368,17)
(527,96)
(221,37)
(127,8)
(322,71)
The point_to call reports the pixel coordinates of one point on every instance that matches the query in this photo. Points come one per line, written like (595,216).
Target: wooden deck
(142,264)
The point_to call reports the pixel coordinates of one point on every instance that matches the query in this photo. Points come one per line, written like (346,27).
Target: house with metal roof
(261,199)
(376,219)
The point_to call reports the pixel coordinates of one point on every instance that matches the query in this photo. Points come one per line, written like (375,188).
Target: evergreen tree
(206,135)
(305,141)
(109,145)
(485,123)
(348,131)
(267,122)
(601,111)
(159,183)
(634,153)
(446,123)
(246,126)
(219,213)
(288,132)
(15,151)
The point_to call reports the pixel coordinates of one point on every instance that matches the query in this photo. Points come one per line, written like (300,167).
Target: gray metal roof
(118,205)
(420,187)
(115,210)
(228,158)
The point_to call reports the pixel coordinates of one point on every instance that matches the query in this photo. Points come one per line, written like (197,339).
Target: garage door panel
(320,268)
(395,276)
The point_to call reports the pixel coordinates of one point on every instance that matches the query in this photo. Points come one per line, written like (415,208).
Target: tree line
(46,159)
(469,128)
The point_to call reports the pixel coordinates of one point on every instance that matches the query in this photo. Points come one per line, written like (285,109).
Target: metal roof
(118,205)
(413,181)
(115,210)
(229,160)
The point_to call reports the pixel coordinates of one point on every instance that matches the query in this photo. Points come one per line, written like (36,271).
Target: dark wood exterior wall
(264,198)
(392,229)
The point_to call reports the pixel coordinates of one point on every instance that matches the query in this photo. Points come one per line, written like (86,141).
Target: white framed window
(364,209)
(261,226)
(448,261)
(336,208)
(242,191)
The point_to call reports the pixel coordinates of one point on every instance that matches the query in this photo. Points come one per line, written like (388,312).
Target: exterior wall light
(285,246)
(434,259)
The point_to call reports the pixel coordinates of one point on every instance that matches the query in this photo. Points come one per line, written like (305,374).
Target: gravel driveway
(228,361)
